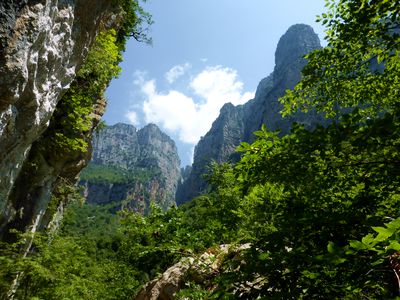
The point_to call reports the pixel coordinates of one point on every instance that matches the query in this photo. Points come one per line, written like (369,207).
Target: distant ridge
(236,124)
(132,168)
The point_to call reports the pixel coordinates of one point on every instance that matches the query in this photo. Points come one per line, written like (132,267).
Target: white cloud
(187,117)
(132,117)
(175,72)
(172,111)
(218,85)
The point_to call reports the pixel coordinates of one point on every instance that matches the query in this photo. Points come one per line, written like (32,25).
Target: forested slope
(318,210)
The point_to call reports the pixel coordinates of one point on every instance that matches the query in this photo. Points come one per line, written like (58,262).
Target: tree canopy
(319,208)
(359,67)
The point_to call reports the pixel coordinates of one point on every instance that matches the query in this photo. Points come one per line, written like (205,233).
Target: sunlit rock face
(202,270)
(132,168)
(42,45)
(236,124)
(265,108)
(218,145)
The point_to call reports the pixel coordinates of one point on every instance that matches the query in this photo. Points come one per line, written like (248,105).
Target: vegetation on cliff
(73,116)
(132,167)
(319,209)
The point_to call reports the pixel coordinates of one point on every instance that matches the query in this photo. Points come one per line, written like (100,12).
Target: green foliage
(72,118)
(192,291)
(362,56)
(136,22)
(101,65)
(100,174)
(305,196)
(303,201)
(310,190)
(375,253)
(100,255)
(384,243)
(313,205)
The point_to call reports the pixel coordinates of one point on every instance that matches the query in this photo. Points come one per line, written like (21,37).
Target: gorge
(307,209)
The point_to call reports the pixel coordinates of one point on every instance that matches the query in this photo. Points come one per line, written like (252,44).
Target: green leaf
(395,224)
(357,245)
(378,262)
(383,233)
(263,256)
(394,245)
(368,240)
(332,248)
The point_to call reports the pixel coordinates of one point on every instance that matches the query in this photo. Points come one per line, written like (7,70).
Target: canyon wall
(236,124)
(132,168)
(42,46)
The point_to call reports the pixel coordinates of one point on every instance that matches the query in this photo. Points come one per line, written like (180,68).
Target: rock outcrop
(132,168)
(42,46)
(201,270)
(236,124)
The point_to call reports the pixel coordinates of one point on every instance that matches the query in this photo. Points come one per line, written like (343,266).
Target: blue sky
(205,53)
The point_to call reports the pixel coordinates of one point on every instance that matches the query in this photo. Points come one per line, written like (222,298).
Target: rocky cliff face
(202,270)
(131,168)
(236,124)
(218,145)
(42,45)
(299,40)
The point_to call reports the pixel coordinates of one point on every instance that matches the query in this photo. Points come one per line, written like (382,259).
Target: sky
(204,54)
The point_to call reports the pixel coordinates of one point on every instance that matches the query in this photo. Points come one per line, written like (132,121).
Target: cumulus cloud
(175,72)
(218,85)
(132,117)
(190,117)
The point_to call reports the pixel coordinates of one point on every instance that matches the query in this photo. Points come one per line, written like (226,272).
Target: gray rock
(218,145)
(236,124)
(42,45)
(202,270)
(149,159)
(116,145)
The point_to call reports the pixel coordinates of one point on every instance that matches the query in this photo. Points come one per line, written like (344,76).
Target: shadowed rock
(236,124)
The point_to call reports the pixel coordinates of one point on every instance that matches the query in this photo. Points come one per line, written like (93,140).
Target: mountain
(236,124)
(131,168)
(43,45)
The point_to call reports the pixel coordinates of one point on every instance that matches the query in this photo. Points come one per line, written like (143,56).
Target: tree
(359,67)
(313,200)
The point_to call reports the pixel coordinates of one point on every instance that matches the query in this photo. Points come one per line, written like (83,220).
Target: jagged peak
(151,127)
(298,40)
(236,124)
(227,107)
(121,125)
(265,84)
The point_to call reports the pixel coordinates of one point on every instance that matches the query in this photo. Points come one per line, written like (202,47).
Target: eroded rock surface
(42,45)
(236,124)
(135,167)
(201,270)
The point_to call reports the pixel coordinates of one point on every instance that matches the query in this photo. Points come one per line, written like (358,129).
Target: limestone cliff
(218,144)
(131,168)
(42,46)
(236,124)
(201,269)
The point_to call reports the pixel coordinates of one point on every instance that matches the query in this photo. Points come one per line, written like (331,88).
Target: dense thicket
(74,118)
(320,208)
